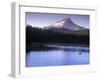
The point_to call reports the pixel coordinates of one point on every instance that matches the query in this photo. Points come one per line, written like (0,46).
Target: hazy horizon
(46,19)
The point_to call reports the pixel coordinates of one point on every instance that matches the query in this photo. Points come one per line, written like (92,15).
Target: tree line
(39,35)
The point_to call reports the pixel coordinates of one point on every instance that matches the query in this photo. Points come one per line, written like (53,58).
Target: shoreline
(61,44)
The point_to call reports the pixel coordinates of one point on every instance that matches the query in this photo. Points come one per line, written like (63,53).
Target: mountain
(65,24)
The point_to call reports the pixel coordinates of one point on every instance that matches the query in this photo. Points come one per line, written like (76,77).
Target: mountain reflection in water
(56,55)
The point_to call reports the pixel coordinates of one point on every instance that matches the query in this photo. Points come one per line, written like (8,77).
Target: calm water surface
(55,55)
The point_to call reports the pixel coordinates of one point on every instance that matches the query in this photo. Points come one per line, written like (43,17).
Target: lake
(57,55)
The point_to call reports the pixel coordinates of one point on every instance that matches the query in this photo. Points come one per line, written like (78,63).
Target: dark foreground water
(56,55)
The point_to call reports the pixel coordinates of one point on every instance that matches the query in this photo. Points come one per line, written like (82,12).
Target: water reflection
(56,55)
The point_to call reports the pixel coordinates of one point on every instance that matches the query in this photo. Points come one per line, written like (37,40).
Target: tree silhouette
(39,35)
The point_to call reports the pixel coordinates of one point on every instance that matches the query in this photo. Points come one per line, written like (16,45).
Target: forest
(40,35)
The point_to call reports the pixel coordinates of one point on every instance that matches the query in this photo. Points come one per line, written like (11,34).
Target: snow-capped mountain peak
(66,23)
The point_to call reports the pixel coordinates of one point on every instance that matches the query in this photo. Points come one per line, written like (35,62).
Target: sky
(46,19)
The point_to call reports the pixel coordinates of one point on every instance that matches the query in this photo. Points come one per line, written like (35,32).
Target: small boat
(80,53)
